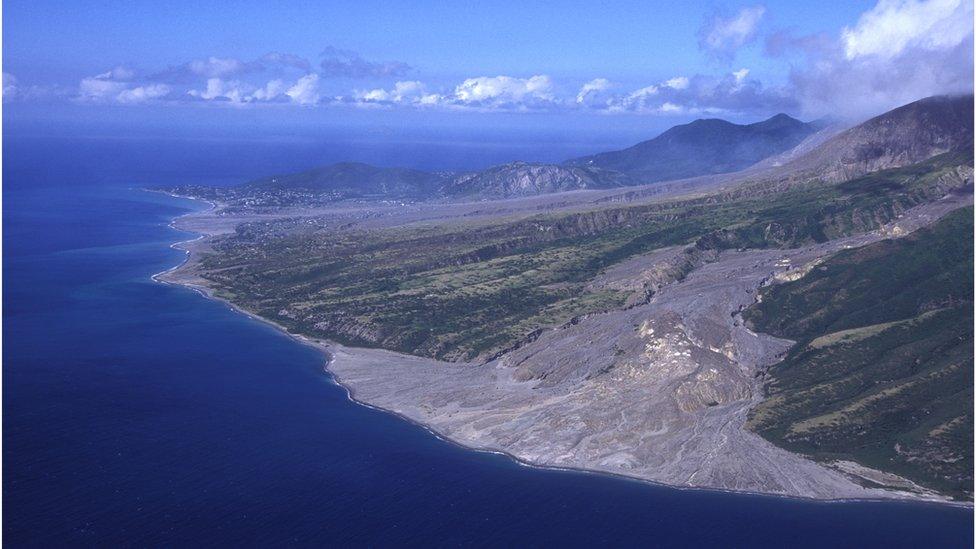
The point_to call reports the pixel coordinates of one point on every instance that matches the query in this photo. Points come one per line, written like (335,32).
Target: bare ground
(658,392)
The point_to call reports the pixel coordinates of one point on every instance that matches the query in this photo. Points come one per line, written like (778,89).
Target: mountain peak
(777,122)
(705,122)
(705,146)
(900,137)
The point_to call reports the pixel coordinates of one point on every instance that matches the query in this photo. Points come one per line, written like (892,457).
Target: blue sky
(637,66)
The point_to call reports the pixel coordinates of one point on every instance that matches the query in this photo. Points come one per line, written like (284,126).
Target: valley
(615,327)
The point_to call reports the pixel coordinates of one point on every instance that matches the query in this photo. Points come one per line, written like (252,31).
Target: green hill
(882,372)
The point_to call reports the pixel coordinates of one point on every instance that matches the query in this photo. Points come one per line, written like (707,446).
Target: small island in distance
(699,331)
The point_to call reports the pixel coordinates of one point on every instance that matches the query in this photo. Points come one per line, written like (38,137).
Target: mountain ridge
(702,147)
(530,178)
(899,137)
(779,147)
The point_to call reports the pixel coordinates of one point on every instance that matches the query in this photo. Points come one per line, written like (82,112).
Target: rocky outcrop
(527,179)
(644,276)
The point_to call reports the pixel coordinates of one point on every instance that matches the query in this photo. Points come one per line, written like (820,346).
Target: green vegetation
(467,291)
(882,372)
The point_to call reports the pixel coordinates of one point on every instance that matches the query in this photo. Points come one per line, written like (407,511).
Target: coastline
(329,349)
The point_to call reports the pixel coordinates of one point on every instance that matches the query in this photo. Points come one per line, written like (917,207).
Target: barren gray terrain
(658,391)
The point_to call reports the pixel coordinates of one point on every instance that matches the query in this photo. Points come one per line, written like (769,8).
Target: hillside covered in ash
(626,326)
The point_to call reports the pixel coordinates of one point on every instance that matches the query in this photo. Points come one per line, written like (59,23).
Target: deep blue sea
(141,414)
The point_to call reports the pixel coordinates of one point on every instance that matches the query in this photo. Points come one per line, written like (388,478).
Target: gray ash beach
(658,392)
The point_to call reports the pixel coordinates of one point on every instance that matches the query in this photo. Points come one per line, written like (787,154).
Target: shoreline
(326,348)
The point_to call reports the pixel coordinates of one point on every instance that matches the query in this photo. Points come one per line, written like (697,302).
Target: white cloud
(676,83)
(894,26)
(504,91)
(740,77)
(271,91)
(141,94)
(592,89)
(733,92)
(15,90)
(218,89)
(898,52)
(305,91)
(724,36)
(671,108)
(116,86)
(642,100)
(377,95)
(403,92)
(409,88)
(100,88)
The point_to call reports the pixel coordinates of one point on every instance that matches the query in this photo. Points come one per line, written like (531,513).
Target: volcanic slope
(882,372)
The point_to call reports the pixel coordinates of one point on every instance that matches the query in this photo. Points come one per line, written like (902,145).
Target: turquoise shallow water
(137,413)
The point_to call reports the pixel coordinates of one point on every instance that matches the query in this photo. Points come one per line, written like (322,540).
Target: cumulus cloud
(271,78)
(894,26)
(349,64)
(99,89)
(105,86)
(594,92)
(676,83)
(723,36)
(734,92)
(221,90)
(644,100)
(305,91)
(487,93)
(141,94)
(274,89)
(118,86)
(896,52)
(505,92)
(899,51)
(15,90)
(699,94)
(410,92)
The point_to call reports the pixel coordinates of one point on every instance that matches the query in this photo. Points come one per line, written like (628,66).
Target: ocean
(137,413)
